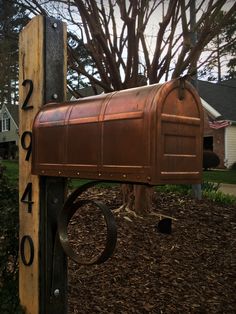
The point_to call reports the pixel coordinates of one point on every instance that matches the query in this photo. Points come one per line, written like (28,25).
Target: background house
(8,131)
(219,102)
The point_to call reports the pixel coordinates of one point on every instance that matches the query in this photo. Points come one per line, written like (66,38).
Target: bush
(9,301)
(233,166)
(209,191)
(210,159)
(2,169)
(210,186)
(220,197)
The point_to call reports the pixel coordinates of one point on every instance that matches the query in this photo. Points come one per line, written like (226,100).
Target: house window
(208,143)
(5,125)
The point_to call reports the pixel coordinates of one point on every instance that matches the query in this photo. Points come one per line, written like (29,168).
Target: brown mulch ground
(192,270)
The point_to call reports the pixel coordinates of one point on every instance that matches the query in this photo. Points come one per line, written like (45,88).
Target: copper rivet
(78,173)
(56,292)
(148,178)
(99,174)
(54,25)
(124,176)
(42,171)
(59,172)
(55,96)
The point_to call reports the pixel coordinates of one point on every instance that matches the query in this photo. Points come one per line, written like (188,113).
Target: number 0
(30,260)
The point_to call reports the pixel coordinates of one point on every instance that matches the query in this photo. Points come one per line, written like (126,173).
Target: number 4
(27,197)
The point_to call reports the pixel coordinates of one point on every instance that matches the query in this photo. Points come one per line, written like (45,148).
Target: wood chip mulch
(191,270)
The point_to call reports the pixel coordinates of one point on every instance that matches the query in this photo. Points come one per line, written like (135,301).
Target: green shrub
(209,191)
(187,188)
(220,197)
(233,166)
(176,188)
(210,159)
(9,301)
(210,186)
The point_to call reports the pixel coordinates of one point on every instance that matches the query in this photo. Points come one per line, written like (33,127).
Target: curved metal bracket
(73,204)
(181,90)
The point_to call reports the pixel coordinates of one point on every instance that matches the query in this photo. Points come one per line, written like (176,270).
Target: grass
(220,197)
(220,176)
(209,191)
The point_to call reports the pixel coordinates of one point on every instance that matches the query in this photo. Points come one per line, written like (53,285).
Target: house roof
(89,91)
(220,96)
(13,111)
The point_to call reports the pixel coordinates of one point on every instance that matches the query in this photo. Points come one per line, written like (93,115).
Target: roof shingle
(221,96)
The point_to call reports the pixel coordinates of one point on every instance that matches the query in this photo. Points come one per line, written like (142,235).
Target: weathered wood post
(42,78)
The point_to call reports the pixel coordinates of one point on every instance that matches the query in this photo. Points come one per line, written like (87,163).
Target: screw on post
(55,96)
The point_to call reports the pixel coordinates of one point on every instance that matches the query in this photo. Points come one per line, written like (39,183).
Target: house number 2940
(26,243)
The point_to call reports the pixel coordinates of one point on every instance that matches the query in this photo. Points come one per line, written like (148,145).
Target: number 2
(25,105)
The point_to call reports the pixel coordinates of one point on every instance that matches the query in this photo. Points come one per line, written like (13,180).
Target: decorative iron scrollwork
(72,204)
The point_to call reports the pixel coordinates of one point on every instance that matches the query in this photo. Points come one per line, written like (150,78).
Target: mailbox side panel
(125,133)
(83,138)
(180,135)
(49,138)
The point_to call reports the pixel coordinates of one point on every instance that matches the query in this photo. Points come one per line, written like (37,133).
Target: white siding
(230,145)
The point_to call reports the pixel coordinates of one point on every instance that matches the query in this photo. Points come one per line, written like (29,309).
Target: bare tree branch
(116,34)
(163,26)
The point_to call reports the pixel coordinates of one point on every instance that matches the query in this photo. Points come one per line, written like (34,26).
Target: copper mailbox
(151,134)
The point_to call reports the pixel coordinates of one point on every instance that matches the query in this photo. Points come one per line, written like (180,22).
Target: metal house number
(26,144)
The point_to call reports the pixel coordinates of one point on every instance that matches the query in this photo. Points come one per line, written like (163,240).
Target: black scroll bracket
(181,89)
(73,204)
(182,79)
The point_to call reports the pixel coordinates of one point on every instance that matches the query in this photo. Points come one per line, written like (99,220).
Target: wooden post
(42,78)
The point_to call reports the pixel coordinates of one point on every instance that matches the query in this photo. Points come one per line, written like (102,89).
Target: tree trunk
(137,198)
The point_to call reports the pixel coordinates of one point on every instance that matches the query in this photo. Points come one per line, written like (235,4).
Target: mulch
(191,270)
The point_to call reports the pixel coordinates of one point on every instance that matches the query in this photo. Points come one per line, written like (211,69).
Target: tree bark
(137,197)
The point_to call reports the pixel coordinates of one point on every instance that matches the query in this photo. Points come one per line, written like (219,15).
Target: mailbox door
(180,136)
